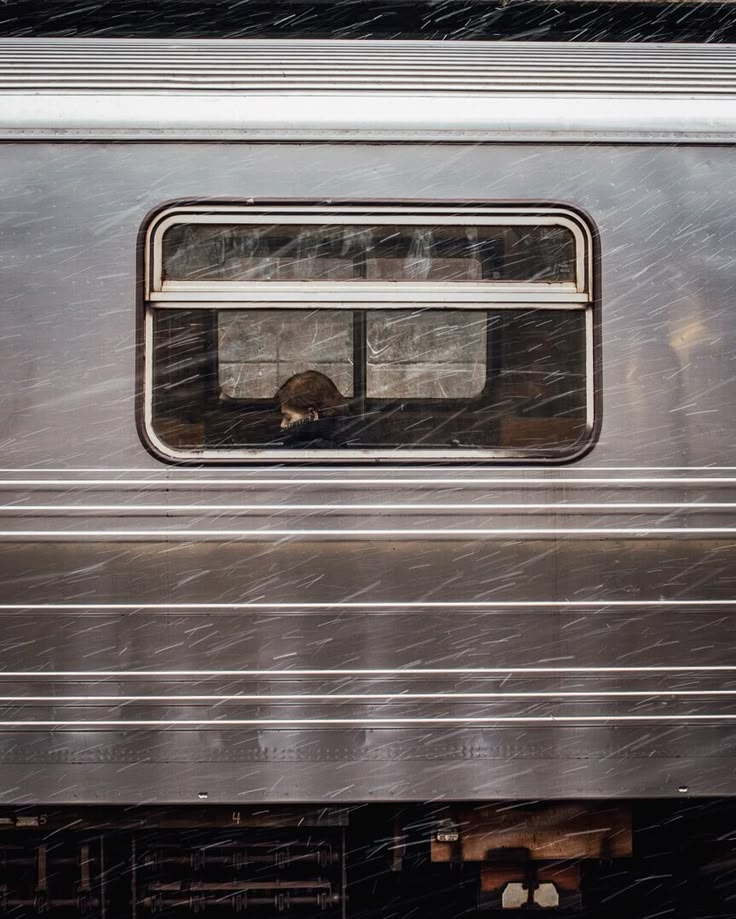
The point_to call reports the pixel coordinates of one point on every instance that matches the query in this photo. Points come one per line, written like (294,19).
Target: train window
(443,333)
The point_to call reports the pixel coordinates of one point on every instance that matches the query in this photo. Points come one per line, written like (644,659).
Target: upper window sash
(160,291)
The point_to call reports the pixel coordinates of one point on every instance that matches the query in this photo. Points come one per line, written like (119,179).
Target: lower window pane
(442,379)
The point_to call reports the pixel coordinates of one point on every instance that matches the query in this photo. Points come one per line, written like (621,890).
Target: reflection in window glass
(339,252)
(425,354)
(259,349)
(510,379)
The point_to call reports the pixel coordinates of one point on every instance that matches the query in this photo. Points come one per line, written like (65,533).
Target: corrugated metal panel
(255,66)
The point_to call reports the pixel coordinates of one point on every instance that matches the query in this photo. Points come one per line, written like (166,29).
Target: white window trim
(311,294)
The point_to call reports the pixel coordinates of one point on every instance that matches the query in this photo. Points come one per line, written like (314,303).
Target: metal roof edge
(369,116)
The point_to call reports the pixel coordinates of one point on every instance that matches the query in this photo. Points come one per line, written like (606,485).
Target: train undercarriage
(604,859)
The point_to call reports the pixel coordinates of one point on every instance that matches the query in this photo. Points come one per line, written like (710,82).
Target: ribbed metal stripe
(246,66)
(522,507)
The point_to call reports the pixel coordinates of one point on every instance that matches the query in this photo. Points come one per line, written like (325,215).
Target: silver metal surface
(292,633)
(380,90)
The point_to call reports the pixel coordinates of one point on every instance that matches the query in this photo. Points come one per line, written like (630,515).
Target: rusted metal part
(546,831)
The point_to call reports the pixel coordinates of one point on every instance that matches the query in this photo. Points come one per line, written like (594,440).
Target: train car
(453,624)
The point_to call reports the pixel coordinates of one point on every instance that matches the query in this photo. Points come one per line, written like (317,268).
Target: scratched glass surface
(311,252)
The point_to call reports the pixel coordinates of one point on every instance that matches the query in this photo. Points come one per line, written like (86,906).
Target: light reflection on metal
(123,509)
(447,533)
(376,696)
(364,722)
(358,672)
(432,480)
(369,605)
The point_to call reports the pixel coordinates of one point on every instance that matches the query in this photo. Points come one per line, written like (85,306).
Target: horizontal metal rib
(213,507)
(602,605)
(358,533)
(357,509)
(370,672)
(393,478)
(248,66)
(336,697)
(364,722)
(367,698)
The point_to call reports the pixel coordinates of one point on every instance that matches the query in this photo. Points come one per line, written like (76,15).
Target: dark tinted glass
(435,378)
(311,252)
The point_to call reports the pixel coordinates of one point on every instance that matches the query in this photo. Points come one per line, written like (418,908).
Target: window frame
(578,295)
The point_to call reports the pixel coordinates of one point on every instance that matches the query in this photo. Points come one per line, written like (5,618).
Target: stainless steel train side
(291,632)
